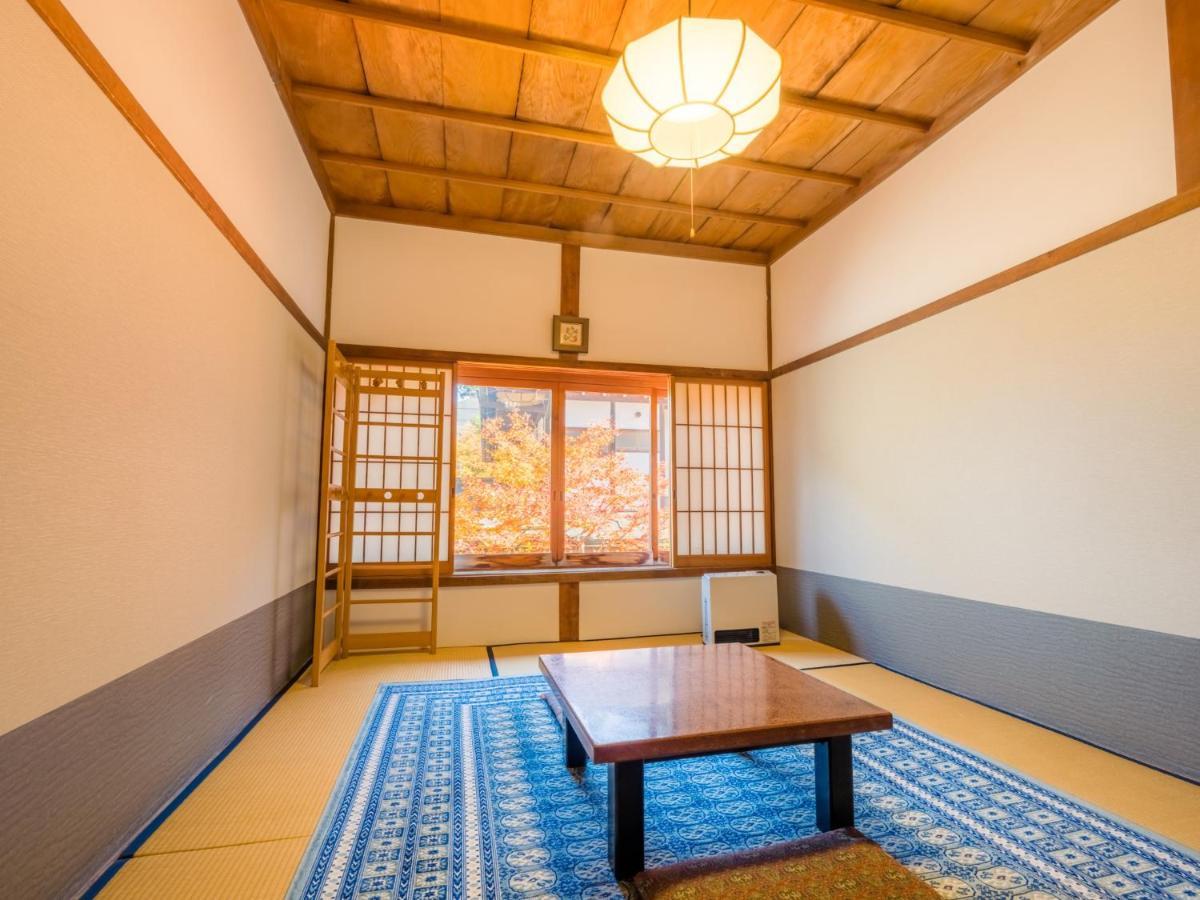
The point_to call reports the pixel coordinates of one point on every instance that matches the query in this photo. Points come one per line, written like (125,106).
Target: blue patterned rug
(457,789)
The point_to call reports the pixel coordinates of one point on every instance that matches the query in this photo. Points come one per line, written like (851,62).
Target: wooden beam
(853,111)
(369,353)
(539,129)
(1183,42)
(894,15)
(603,59)
(596,239)
(1072,19)
(1154,215)
(89,57)
(557,190)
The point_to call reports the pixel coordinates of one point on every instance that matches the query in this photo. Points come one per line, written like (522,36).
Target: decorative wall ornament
(570,334)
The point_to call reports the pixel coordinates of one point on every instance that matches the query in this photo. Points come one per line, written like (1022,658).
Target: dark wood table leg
(626,819)
(573,753)
(835,783)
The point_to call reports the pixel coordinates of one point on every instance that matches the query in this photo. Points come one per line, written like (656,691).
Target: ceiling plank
(557,190)
(581,55)
(540,129)
(894,15)
(551,235)
(487,78)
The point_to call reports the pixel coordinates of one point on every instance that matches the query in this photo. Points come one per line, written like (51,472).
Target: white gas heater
(739,607)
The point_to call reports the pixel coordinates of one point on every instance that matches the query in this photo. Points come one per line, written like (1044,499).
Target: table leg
(573,753)
(835,783)
(626,819)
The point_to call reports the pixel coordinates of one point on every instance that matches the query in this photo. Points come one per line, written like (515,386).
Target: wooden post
(568,611)
(1183,42)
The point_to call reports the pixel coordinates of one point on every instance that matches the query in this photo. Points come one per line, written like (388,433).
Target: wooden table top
(663,702)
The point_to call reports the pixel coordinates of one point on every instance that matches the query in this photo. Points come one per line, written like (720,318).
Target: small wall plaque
(570,334)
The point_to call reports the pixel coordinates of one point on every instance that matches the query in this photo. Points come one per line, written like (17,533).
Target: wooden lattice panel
(721,488)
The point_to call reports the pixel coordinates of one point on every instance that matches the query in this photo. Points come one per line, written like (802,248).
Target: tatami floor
(242,831)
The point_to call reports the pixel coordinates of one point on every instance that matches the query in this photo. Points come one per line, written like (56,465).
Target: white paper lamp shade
(693,92)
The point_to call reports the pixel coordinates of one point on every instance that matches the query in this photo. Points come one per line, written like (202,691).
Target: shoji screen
(722,483)
(393,450)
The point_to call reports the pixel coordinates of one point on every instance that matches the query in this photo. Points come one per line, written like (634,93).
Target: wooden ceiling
(485,115)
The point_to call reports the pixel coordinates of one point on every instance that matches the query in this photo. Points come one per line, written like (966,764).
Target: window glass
(608,465)
(502,500)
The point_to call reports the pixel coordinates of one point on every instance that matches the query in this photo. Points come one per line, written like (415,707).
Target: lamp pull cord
(692,200)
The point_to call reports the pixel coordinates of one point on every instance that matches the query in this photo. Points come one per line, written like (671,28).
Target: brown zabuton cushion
(837,865)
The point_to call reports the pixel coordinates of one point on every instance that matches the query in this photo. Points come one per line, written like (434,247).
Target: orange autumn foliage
(503,499)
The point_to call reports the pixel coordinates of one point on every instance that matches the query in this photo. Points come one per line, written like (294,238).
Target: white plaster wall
(428,288)
(1036,447)
(1081,140)
(431,289)
(161,409)
(194,66)
(673,311)
(614,609)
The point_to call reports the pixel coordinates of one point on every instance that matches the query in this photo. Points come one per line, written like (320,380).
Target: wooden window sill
(366,580)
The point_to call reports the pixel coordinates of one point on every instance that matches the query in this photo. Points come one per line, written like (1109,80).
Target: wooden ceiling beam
(595,239)
(557,190)
(541,129)
(894,15)
(600,58)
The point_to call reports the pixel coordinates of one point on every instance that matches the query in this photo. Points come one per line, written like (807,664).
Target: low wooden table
(629,707)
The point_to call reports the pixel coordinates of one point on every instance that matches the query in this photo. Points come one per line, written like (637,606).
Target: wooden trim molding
(544,576)
(1183,42)
(80,46)
(1123,228)
(599,240)
(1062,28)
(369,353)
(605,59)
(539,129)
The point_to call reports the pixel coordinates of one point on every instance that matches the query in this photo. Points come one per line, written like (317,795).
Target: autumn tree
(503,499)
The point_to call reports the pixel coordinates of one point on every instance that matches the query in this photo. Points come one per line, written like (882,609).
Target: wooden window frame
(559,382)
(744,560)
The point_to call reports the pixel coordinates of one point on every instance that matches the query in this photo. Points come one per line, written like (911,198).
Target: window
(559,468)
(545,467)
(722,492)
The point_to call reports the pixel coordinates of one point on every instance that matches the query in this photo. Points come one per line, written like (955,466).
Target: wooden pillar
(569,290)
(568,611)
(1183,42)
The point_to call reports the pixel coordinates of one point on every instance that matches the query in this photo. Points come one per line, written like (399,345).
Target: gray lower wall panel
(1131,691)
(78,783)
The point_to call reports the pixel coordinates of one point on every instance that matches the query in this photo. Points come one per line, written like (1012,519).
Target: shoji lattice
(721,480)
(396,449)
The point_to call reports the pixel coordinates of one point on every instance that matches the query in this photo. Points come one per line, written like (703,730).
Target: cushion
(836,865)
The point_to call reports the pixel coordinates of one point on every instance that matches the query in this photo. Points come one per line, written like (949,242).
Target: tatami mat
(246,872)
(521,659)
(1143,796)
(276,781)
(242,832)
